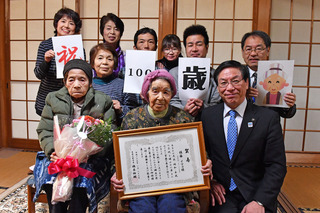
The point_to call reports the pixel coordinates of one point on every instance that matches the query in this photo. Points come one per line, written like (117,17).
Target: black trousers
(234,204)
(78,203)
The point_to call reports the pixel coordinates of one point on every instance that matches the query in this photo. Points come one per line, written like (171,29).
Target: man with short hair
(196,42)
(255,47)
(245,144)
(145,39)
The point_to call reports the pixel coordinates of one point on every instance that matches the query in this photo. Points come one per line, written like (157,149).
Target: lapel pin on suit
(250,123)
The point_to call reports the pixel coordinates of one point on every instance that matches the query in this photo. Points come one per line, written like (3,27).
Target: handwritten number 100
(139,72)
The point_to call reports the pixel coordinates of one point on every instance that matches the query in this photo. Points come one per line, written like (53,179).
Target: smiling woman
(171,49)
(103,60)
(66,22)
(111,29)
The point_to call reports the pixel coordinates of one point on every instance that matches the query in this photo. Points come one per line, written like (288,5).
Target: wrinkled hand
(217,193)
(117,184)
(290,99)
(117,106)
(252,92)
(48,56)
(193,106)
(53,157)
(253,207)
(207,169)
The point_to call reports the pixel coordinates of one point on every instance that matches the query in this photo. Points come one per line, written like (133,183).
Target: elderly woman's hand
(53,157)
(48,56)
(117,184)
(207,169)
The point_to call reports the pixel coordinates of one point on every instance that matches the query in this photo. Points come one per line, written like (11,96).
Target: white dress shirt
(239,116)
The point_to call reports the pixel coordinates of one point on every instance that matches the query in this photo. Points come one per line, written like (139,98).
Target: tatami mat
(302,185)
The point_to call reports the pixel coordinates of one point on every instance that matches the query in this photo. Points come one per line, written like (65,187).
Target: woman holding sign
(103,60)
(111,29)
(66,22)
(158,88)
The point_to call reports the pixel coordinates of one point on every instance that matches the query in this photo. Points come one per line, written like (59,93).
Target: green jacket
(96,104)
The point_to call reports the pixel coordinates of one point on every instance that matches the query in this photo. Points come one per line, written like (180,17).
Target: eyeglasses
(248,50)
(168,50)
(234,83)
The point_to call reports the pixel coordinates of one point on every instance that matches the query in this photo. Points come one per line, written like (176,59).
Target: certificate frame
(187,135)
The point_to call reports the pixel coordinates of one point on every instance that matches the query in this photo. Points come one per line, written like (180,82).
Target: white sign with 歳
(193,78)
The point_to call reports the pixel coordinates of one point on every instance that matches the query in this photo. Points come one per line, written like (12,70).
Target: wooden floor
(14,166)
(302,185)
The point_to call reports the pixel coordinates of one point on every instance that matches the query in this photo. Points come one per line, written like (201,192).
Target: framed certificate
(159,160)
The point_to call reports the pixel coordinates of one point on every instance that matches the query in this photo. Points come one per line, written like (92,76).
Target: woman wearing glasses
(171,49)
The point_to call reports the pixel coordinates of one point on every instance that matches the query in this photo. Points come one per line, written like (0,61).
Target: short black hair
(171,40)
(265,37)
(70,14)
(144,31)
(111,17)
(234,64)
(195,30)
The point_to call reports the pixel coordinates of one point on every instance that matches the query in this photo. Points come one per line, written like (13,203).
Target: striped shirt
(46,72)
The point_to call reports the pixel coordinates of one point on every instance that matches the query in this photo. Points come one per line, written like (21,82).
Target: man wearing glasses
(255,47)
(245,144)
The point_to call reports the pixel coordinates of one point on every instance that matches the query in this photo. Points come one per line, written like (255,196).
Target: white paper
(138,64)
(274,80)
(66,48)
(193,78)
(160,162)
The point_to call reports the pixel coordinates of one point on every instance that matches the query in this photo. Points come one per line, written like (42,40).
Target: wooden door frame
(5,123)
(261,15)
(167,21)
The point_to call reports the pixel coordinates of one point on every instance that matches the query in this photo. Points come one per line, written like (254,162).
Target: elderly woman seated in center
(157,90)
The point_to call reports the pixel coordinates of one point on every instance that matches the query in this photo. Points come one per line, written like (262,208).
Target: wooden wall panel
(261,15)
(4,76)
(167,21)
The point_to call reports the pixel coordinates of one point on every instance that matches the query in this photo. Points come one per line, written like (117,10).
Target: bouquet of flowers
(73,145)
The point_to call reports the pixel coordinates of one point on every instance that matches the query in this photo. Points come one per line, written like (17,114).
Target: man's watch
(260,204)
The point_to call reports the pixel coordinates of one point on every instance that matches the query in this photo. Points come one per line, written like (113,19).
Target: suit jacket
(258,165)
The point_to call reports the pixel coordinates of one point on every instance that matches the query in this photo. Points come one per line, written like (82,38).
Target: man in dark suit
(247,175)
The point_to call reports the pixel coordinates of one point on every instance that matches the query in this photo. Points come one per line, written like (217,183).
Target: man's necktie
(254,84)
(232,135)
